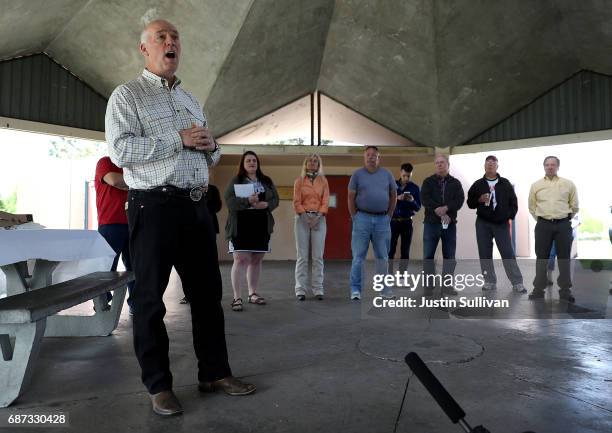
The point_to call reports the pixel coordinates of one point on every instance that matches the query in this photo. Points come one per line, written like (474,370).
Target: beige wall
(283,243)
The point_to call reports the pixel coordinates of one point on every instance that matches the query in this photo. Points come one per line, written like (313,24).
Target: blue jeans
(118,237)
(366,228)
(432,234)
(553,256)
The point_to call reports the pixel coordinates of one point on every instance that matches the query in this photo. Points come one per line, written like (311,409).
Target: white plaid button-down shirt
(143,120)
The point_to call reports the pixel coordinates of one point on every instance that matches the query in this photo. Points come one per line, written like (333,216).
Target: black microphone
(435,388)
(440,394)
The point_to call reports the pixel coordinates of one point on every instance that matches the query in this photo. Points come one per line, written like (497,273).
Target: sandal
(254,298)
(237,304)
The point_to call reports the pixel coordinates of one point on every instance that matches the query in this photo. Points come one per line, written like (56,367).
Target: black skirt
(251,232)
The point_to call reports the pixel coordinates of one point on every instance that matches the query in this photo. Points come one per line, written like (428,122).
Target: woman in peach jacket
(310,201)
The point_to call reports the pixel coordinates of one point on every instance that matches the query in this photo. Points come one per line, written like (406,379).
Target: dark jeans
(432,234)
(486,231)
(404,229)
(545,233)
(168,231)
(553,251)
(118,237)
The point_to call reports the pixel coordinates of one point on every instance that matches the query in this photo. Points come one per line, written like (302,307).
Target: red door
(338,239)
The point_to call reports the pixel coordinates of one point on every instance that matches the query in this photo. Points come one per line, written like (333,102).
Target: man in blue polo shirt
(408,204)
(371,201)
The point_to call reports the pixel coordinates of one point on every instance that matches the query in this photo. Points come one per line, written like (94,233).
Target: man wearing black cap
(495,202)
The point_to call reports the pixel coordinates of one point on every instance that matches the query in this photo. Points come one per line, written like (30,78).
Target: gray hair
(146,31)
(443,156)
(144,35)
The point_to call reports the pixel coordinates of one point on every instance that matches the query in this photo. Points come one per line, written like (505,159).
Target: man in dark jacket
(442,196)
(495,202)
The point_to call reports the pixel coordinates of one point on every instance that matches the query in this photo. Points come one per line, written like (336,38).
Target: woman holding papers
(310,200)
(250,197)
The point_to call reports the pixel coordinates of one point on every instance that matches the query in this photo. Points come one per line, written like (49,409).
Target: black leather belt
(559,220)
(401,219)
(372,213)
(195,194)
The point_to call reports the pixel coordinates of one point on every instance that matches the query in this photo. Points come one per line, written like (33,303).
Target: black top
(441,191)
(507,205)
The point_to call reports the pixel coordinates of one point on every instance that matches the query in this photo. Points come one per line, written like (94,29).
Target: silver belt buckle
(196,193)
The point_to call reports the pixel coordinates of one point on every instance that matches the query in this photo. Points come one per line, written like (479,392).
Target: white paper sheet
(244,190)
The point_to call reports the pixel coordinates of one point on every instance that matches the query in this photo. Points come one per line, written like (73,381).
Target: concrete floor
(336,365)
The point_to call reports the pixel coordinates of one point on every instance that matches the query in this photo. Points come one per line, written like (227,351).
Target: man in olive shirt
(553,201)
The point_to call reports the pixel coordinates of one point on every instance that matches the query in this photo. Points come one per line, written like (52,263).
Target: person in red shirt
(111,195)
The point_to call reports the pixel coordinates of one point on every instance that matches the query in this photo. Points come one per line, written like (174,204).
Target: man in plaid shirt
(157,132)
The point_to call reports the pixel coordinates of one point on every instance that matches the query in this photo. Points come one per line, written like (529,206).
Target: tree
(591,225)
(9,204)
(301,140)
(70,148)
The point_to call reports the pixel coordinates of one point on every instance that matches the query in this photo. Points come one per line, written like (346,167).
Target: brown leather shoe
(230,385)
(165,403)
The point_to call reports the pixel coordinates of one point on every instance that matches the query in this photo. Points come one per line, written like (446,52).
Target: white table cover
(79,251)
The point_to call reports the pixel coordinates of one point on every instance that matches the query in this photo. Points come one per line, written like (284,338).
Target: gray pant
(315,238)
(486,231)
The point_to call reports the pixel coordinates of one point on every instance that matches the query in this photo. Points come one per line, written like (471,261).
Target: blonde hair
(308,157)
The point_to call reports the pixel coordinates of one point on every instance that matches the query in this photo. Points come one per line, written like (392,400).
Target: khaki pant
(315,238)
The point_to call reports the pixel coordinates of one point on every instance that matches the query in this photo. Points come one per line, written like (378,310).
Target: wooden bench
(25,317)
